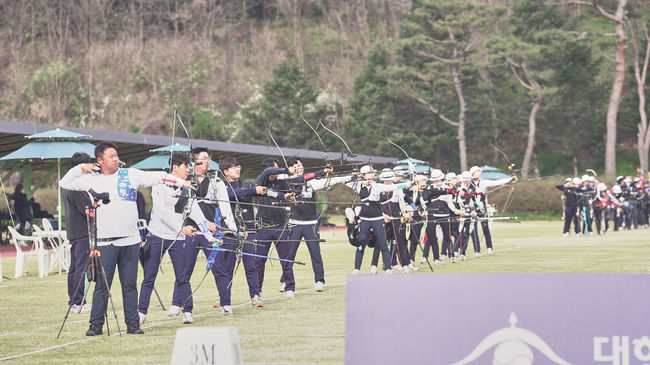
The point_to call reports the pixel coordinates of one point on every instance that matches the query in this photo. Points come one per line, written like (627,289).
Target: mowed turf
(309,329)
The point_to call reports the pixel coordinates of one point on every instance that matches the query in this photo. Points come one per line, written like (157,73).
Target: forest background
(452,81)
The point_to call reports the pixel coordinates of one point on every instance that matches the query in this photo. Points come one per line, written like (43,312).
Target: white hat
(465,176)
(602,186)
(450,176)
(474,168)
(616,189)
(576,180)
(585,177)
(367,169)
(437,175)
(387,175)
(400,170)
(420,177)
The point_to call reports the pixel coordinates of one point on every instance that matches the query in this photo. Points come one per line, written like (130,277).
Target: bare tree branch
(433,110)
(430,55)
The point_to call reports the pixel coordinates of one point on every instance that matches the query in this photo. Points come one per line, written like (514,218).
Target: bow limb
(410,163)
(276,145)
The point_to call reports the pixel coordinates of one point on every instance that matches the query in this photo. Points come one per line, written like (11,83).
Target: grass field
(309,329)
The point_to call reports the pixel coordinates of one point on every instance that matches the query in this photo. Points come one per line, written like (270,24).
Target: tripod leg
(74,295)
(160,300)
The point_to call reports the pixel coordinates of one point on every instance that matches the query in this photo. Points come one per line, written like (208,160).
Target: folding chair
(21,257)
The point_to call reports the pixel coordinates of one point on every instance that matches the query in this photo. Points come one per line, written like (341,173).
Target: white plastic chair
(60,246)
(21,257)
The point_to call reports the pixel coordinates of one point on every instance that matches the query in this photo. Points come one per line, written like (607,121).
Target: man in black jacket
(76,230)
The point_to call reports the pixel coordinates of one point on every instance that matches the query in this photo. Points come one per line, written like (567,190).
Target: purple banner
(512,319)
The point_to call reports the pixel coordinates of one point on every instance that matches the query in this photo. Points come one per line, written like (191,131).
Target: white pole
(58,189)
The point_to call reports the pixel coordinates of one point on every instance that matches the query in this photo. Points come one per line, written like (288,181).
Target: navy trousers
(125,258)
(183,256)
(280,236)
(378,227)
(311,234)
(219,272)
(79,252)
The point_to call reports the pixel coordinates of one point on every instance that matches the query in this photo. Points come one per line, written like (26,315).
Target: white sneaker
(405,269)
(412,267)
(226,310)
(423,260)
(282,286)
(85,308)
(477,255)
(289,294)
(389,271)
(373,269)
(565,235)
(143,318)
(456,254)
(320,286)
(436,263)
(578,234)
(490,252)
(187,318)
(462,257)
(174,311)
(443,257)
(397,267)
(80,308)
(356,272)
(452,260)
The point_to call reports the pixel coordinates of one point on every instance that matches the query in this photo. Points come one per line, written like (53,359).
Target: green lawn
(308,329)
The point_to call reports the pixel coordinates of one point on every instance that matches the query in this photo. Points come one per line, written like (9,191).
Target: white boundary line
(150,326)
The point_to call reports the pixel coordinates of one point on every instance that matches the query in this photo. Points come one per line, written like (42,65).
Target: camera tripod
(94,267)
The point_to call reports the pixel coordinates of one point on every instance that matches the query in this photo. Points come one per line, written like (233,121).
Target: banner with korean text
(502,319)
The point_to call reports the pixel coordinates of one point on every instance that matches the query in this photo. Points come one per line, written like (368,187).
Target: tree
(284,96)
(640,76)
(439,39)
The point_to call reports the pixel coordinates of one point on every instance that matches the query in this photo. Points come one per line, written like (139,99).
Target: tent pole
(58,190)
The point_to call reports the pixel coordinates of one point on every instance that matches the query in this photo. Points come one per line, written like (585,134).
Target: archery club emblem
(512,347)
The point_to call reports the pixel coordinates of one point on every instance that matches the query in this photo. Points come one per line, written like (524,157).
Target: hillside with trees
(558,86)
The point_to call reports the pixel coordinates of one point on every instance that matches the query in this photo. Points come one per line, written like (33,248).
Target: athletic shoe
(477,255)
(373,269)
(423,260)
(289,294)
(95,329)
(412,267)
(356,272)
(436,262)
(443,257)
(578,234)
(456,254)
(462,257)
(174,311)
(320,286)
(389,271)
(452,260)
(80,308)
(405,269)
(565,235)
(187,318)
(257,302)
(134,329)
(490,252)
(217,304)
(143,318)
(226,310)
(282,286)
(397,267)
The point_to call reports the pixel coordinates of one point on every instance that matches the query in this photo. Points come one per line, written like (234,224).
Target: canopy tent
(161,160)
(52,144)
(413,160)
(492,173)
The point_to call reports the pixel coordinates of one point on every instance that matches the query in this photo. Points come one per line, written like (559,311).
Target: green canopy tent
(53,144)
(160,161)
